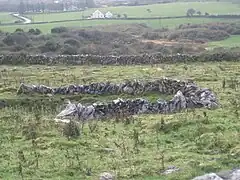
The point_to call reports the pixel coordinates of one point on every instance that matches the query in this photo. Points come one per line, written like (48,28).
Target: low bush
(193,34)
(50,46)
(19,30)
(34,31)
(227,27)
(59,30)
(72,42)
(69,50)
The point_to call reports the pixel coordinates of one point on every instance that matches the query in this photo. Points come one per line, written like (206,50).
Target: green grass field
(169,9)
(189,140)
(233,41)
(6,18)
(170,23)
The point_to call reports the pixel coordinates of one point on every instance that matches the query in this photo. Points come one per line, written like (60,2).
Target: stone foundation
(186,95)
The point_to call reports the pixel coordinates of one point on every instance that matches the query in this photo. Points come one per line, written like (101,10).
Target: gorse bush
(16,38)
(35,31)
(19,30)
(198,33)
(59,30)
(69,50)
(72,42)
(50,46)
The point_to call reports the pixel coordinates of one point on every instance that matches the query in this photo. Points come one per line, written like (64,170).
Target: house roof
(108,12)
(97,11)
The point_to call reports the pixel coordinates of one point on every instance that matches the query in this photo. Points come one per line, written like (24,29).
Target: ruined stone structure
(186,95)
(115,60)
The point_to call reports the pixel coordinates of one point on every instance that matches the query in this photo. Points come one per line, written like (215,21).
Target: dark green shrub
(8,40)
(72,42)
(69,50)
(198,33)
(17,48)
(37,31)
(50,46)
(19,30)
(28,45)
(16,38)
(71,130)
(34,31)
(31,31)
(59,30)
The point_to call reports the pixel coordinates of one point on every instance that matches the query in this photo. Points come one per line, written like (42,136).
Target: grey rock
(170,170)
(235,175)
(128,90)
(3,104)
(106,176)
(225,174)
(210,176)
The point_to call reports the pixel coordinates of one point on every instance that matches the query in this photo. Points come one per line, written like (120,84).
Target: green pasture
(196,141)
(233,41)
(170,23)
(5,17)
(156,10)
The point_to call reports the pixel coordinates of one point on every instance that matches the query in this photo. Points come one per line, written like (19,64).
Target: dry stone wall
(115,60)
(186,95)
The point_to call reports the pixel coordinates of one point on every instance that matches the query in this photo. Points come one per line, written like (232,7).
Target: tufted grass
(194,141)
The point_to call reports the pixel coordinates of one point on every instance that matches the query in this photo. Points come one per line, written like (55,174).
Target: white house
(97,15)
(108,15)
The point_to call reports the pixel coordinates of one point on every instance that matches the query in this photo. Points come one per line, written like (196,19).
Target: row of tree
(31,7)
(41,7)
(191,12)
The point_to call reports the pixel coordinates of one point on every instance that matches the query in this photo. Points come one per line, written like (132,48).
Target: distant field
(6,18)
(233,41)
(170,23)
(170,9)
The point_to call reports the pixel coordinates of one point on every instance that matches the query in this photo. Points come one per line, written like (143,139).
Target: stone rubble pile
(186,95)
(14,59)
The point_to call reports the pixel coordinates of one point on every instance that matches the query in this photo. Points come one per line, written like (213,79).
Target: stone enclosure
(186,95)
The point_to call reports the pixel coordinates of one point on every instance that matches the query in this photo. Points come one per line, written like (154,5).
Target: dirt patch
(161,41)
(167,42)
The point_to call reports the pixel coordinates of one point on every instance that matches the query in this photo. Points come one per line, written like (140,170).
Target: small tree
(149,10)
(125,16)
(191,12)
(37,31)
(21,8)
(119,15)
(199,13)
(42,6)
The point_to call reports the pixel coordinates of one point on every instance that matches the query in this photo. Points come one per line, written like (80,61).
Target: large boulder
(223,175)
(106,176)
(210,176)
